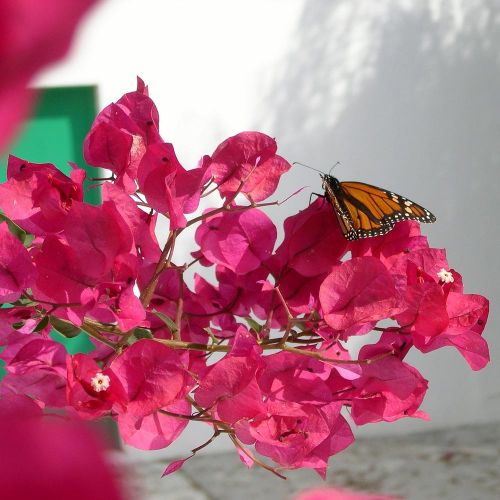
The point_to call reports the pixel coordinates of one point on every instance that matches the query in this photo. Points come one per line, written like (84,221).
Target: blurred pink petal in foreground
(339,494)
(51,459)
(33,33)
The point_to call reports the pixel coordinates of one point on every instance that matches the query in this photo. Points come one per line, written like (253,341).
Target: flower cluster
(261,351)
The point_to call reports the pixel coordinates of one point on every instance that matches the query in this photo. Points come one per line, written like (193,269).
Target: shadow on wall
(406,94)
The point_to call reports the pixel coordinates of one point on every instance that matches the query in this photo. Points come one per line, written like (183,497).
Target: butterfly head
(329,181)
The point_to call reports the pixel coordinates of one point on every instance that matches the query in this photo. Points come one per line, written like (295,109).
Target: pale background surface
(405,94)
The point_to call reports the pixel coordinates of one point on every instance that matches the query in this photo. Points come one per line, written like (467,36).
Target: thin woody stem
(223,427)
(147,294)
(227,204)
(110,178)
(96,335)
(289,316)
(252,457)
(166,257)
(190,417)
(180,307)
(177,344)
(317,355)
(217,433)
(294,340)
(204,191)
(283,302)
(55,305)
(113,329)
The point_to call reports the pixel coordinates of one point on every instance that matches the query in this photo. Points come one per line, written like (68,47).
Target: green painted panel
(55,134)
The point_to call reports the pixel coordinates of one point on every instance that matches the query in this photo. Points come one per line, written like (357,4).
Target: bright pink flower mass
(260,351)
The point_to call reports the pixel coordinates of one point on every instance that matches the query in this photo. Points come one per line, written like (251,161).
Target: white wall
(405,94)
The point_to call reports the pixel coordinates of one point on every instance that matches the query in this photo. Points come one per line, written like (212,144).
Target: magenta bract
(16,269)
(239,241)
(39,197)
(167,186)
(121,134)
(249,158)
(143,368)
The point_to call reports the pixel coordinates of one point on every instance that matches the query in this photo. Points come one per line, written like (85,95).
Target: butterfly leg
(318,195)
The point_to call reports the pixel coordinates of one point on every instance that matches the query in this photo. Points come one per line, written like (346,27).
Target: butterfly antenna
(307,166)
(338,163)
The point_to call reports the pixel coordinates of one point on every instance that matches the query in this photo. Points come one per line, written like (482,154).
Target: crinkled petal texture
(357,292)
(154,378)
(313,241)
(404,238)
(121,134)
(156,430)
(167,186)
(388,390)
(33,34)
(425,310)
(288,377)
(36,367)
(100,236)
(249,158)
(230,387)
(467,318)
(239,241)
(17,272)
(295,435)
(38,197)
(141,224)
(241,293)
(143,369)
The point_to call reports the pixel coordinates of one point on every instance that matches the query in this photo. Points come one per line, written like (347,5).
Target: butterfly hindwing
(364,210)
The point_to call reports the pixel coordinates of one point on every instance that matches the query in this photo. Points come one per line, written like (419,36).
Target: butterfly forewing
(364,210)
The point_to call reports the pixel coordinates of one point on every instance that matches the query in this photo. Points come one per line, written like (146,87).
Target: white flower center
(100,382)
(445,276)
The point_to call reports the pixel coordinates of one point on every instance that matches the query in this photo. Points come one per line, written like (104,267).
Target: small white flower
(100,382)
(445,276)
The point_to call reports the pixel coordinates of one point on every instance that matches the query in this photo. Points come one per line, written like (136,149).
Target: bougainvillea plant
(256,345)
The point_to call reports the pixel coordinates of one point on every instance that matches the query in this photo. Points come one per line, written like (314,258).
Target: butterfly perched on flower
(364,211)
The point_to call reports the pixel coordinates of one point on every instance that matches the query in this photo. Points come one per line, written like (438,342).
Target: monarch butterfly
(364,211)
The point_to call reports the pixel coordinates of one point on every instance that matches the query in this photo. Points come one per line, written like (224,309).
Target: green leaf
(24,302)
(28,240)
(253,325)
(170,323)
(211,334)
(142,333)
(42,324)
(16,230)
(65,328)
